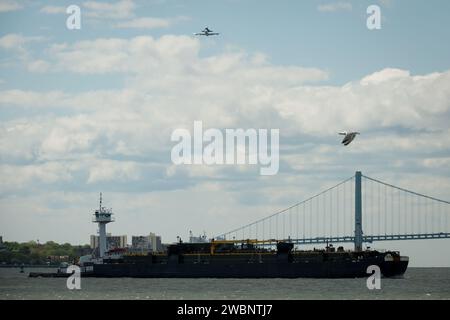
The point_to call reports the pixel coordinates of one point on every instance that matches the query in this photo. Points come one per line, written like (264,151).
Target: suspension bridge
(337,215)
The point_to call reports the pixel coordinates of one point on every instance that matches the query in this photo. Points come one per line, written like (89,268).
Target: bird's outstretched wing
(349,138)
(346,141)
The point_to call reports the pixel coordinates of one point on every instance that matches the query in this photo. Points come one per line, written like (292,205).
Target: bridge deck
(370,239)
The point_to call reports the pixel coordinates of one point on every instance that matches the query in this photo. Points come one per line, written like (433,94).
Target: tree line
(33,253)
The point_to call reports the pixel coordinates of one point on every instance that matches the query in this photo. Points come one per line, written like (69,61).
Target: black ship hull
(225,260)
(289,268)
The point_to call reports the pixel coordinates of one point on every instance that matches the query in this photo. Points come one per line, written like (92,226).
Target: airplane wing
(203,33)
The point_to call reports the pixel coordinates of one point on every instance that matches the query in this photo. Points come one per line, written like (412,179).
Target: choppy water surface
(417,283)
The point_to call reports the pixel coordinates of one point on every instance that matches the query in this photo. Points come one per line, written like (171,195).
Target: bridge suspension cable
(309,214)
(358,209)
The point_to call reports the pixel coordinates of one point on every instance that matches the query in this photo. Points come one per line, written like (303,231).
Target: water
(417,283)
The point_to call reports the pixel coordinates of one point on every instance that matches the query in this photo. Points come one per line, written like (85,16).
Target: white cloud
(10,5)
(68,137)
(172,85)
(384,76)
(386,3)
(145,23)
(38,66)
(417,102)
(138,55)
(31,98)
(16,41)
(120,139)
(18,45)
(173,60)
(335,6)
(18,177)
(441,162)
(114,171)
(19,140)
(118,123)
(53,10)
(427,142)
(122,9)
(149,23)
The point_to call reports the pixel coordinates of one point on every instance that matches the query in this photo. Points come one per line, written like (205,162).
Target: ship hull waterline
(350,269)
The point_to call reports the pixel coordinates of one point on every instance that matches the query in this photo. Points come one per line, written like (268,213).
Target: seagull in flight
(349,137)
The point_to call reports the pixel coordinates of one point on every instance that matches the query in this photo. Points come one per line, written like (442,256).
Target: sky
(92,110)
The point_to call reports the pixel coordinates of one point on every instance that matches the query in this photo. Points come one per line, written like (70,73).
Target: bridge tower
(358,213)
(102,216)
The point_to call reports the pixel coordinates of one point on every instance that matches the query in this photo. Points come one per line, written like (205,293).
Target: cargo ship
(220,258)
(244,259)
